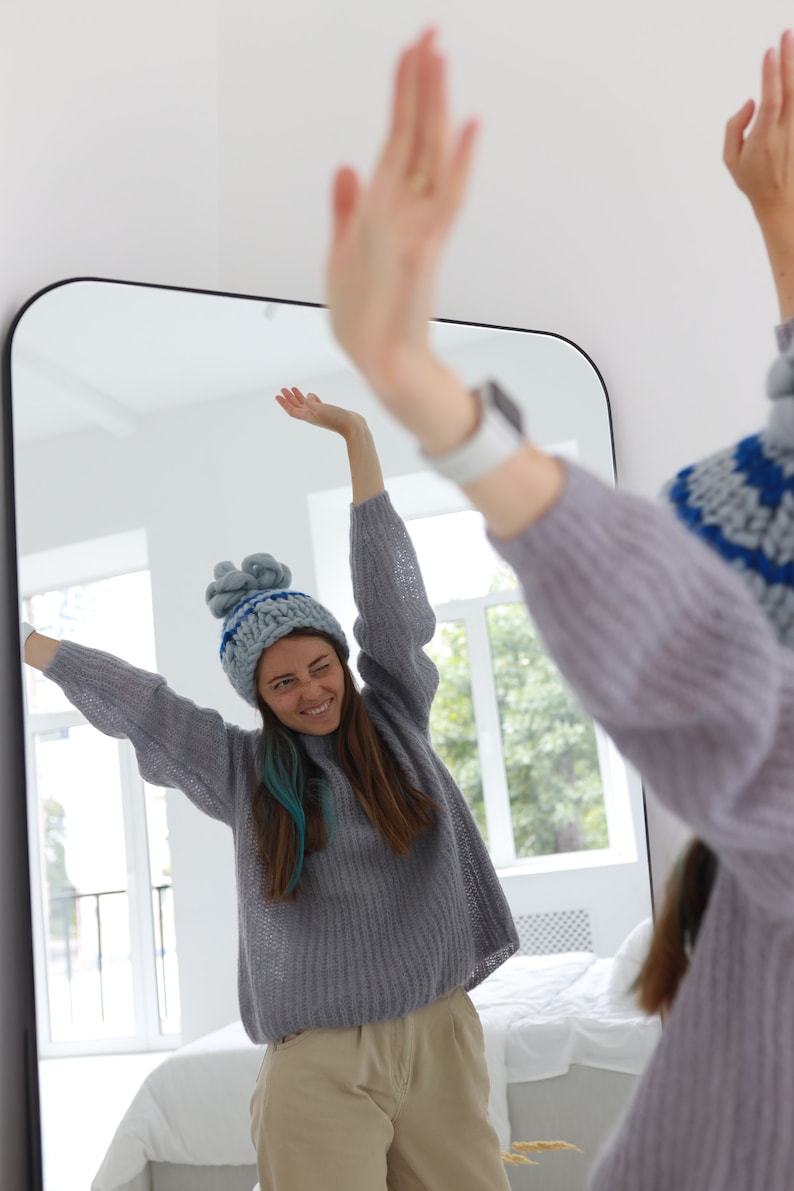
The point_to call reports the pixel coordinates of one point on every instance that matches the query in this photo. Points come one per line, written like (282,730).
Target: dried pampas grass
(523,1148)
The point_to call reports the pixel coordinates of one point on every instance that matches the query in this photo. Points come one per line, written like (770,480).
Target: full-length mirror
(148,446)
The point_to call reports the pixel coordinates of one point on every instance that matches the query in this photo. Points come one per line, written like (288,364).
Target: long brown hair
(676,928)
(291,806)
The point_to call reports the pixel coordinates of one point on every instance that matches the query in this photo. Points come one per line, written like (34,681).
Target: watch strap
(494,441)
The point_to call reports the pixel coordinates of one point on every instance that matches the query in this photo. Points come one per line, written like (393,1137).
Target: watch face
(506,406)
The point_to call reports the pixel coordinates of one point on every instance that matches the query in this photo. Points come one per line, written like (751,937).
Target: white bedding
(540,1014)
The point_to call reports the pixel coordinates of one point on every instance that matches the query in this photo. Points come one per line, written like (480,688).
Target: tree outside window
(548,754)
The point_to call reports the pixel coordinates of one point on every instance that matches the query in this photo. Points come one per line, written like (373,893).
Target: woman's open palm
(388,235)
(309,408)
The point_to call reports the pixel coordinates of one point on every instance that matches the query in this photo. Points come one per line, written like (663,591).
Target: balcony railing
(90,963)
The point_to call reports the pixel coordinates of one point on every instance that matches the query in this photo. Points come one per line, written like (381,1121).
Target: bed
(564,1045)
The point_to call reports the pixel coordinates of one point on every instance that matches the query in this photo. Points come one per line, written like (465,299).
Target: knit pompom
(257,608)
(259,572)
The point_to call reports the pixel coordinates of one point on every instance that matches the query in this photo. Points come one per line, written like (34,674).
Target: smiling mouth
(314,712)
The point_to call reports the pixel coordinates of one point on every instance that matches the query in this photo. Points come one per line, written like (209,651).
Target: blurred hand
(761,161)
(388,235)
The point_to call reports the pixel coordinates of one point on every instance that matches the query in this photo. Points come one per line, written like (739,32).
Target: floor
(82,1102)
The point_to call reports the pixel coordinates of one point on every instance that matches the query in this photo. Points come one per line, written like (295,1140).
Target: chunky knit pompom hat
(741,502)
(257,608)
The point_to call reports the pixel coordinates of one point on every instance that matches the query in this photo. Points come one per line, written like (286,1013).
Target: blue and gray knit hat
(741,502)
(257,608)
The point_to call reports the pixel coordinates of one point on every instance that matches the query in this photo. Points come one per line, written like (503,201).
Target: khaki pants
(393,1106)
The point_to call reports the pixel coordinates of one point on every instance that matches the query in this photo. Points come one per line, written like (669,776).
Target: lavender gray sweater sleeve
(395,618)
(177,743)
(668,651)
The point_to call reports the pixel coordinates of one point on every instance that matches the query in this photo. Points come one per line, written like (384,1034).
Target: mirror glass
(148,446)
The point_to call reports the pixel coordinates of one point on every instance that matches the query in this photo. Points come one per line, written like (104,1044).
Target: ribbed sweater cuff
(374,513)
(560,532)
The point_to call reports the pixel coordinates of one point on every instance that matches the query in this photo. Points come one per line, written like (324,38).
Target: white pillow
(629,959)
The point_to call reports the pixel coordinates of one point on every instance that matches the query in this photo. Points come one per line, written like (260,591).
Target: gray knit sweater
(373,935)
(668,650)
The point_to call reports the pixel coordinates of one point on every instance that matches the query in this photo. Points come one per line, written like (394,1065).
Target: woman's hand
(386,243)
(37,650)
(761,161)
(388,236)
(311,409)
(365,471)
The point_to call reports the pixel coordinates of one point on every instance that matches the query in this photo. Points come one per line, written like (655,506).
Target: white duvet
(540,1014)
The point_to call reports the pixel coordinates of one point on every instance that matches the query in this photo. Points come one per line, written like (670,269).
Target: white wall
(190,142)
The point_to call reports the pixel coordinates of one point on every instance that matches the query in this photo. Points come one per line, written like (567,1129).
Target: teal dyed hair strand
(283,771)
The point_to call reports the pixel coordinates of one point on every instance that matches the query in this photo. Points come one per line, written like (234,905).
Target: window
(509,729)
(104,927)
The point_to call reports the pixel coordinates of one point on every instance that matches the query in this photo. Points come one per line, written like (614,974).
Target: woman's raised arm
(365,469)
(759,155)
(381,278)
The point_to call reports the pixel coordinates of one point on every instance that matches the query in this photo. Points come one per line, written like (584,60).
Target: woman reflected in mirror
(367,902)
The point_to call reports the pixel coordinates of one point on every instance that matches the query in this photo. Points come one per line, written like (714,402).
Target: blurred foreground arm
(381,280)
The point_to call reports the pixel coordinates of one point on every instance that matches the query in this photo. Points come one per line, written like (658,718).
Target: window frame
(85,562)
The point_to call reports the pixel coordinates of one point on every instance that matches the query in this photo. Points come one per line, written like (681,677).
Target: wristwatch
(498,437)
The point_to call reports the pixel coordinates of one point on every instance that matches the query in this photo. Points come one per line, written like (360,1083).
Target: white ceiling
(110,354)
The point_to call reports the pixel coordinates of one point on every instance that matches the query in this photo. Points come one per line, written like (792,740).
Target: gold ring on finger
(419,182)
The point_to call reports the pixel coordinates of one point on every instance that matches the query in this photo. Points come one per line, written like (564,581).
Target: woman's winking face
(302,681)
